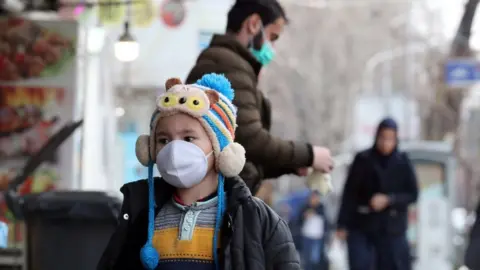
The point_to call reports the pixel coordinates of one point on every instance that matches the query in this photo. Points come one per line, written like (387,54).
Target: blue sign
(462,72)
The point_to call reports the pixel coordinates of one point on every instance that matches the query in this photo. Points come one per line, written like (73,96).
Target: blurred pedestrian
(380,186)
(253,26)
(313,229)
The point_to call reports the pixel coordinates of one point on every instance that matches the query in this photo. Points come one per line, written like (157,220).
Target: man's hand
(322,159)
(302,171)
(379,202)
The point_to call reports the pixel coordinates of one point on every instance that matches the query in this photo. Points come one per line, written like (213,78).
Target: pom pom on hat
(219,83)
(149,256)
(231,160)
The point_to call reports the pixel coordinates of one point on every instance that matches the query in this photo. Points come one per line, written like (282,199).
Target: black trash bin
(68,230)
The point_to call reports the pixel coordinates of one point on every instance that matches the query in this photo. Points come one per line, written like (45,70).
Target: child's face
(181,126)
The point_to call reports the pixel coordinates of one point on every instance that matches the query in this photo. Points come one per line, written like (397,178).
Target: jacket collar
(236,191)
(137,194)
(228,41)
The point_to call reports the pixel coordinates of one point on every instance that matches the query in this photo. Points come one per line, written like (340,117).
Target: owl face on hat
(188,99)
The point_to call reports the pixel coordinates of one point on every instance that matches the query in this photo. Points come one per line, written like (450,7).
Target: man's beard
(257,41)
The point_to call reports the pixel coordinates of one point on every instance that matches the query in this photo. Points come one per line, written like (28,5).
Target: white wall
(99,125)
(96,97)
(171,52)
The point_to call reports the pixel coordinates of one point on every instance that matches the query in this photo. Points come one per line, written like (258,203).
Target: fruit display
(28,116)
(43,180)
(28,50)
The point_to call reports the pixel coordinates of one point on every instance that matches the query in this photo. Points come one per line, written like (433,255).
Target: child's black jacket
(253,235)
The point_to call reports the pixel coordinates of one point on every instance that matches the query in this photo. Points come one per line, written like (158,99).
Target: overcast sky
(451,11)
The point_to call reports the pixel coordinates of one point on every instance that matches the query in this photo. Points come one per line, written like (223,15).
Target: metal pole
(386,82)
(390,87)
(389,77)
(373,62)
(85,61)
(410,71)
(387,55)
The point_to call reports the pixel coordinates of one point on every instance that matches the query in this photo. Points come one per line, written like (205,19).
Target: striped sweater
(184,235)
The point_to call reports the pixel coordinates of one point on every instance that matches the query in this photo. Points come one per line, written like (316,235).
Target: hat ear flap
(142,149)
(231,160)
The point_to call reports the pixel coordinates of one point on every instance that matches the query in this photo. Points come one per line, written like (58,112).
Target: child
(313,229)
(200,214)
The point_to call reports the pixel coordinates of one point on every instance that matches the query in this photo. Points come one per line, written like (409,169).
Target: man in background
(253,27)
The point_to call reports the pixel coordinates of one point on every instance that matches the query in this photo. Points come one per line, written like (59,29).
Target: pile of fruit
(27,49)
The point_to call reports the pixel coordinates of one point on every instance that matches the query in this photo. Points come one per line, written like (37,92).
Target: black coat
(367,177)
(472,260)
(253,235)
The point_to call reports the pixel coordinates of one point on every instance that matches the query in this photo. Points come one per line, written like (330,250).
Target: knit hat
(210,101)
(386,123)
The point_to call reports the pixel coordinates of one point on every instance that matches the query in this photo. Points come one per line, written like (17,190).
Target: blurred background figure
(380,186)
(314,228)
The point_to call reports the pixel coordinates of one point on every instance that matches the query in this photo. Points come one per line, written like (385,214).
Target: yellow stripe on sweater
(168,245)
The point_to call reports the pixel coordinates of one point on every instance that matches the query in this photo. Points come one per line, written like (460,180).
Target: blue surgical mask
(266,53)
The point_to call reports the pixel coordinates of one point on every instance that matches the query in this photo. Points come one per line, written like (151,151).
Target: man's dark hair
(268,10)
(279,11)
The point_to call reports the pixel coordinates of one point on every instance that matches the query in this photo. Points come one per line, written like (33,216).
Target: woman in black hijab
(381,184)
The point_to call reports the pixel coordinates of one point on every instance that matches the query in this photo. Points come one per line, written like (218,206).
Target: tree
(319,68)
(437,125)
(443,117)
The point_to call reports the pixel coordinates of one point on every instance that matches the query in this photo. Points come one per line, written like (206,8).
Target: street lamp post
(374,62)
(386,57)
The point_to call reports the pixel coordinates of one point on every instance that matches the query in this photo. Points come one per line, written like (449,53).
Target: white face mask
(182,164)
